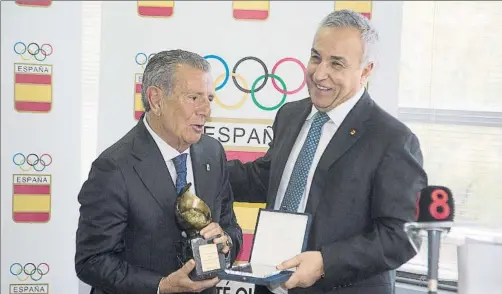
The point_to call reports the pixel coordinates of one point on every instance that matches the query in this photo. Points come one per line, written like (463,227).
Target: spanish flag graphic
(246,214)
(138,105)
(156,8)
(31,202)
(255,10)
(363,7)
(35,3)
(32,87)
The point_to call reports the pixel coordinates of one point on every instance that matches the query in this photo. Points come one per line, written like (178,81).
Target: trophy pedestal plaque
(192,215)
(207,256)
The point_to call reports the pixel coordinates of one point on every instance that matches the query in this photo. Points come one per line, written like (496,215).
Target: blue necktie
(180,163)
(298,181)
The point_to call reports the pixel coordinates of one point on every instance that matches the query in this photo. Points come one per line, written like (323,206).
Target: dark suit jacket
(127,232)
(363,191)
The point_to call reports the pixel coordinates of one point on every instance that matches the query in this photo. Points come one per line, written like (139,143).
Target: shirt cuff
(158,288)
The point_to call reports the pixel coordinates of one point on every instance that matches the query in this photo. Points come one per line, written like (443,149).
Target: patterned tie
(298,181)
(180,163)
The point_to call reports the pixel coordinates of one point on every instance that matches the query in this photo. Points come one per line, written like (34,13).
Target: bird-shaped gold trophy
(192,215)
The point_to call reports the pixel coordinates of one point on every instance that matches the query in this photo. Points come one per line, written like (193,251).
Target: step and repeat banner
(40,137)
(258,51)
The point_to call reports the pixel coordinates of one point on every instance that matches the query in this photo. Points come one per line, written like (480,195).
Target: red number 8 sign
(439,208)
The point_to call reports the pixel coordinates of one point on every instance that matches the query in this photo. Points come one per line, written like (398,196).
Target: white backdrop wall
(114,40)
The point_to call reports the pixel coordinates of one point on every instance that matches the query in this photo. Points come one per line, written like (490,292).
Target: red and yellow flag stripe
(31,202)
(34,3)
(251,10)
(246,214)
(244,154)
(156,8)
(138,104)
(363,7)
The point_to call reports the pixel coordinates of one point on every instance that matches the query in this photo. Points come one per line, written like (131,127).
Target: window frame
(450,116)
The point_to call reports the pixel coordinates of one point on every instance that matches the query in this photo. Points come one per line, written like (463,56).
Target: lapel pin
(352,132)
(208,167)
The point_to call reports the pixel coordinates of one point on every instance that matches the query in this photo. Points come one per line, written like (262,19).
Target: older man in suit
(127,231)
(338,156)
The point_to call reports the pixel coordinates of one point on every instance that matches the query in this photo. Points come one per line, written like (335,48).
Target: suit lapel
(351,129)
(152,169)
(348,133)
(302,110)
(202,167)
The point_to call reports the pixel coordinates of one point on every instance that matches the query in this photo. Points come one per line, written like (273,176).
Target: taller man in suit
(338,156)
(127,231)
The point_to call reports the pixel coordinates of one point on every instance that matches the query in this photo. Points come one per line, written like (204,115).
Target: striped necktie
(180,164)
(298,181)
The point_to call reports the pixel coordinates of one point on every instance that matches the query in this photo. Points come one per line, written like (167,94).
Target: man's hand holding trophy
(202,240)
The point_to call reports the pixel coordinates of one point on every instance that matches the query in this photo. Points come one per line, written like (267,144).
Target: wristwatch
(229,243)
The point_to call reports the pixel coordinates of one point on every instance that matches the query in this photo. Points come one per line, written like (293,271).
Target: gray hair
(350,19)
(161,69)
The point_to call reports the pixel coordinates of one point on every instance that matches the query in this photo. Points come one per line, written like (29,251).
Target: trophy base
(209,260)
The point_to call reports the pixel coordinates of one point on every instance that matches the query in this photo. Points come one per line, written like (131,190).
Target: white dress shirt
(336,115)
(168,153)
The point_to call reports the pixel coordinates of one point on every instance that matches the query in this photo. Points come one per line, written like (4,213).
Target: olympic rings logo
(242,84)
(33,161)
(38,52)
(142,59)
(29,270)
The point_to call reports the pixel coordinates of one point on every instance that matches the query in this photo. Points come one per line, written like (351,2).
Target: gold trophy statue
(192,215)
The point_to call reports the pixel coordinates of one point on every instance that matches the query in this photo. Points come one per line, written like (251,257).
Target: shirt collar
(338,114)
(166,150)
